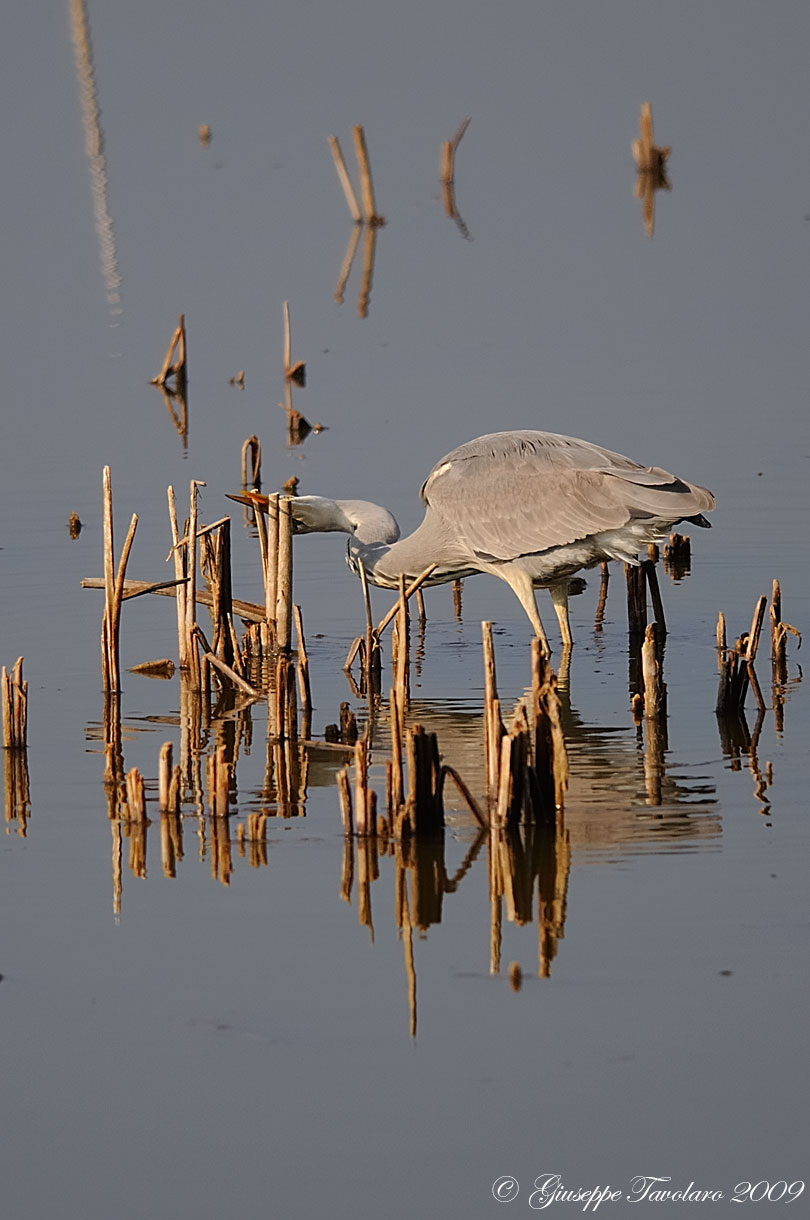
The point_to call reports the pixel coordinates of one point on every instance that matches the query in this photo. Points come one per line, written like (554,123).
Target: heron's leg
(559,596)
(522,586)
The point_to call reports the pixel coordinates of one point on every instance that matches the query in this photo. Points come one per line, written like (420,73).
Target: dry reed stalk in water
(164,776)
(678,555)
(302,669)
(409,592)
(363,822)
(14,707)
(756,629)
(370,216)
(402,672)
(654,689)
(448,160)
(550,755)
(472,804)
(345,181)
(292,372)
(171,367)
(493,728)
(636,600)
(371,644)
(136,804)
(211,658)
(191,597)
(345,794)
(114,589)
(180,571)
(252,474)
(285,575)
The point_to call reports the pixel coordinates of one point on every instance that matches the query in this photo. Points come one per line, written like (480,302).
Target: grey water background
(248,1048)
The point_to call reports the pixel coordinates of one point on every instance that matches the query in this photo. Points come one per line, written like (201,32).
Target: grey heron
(529,507)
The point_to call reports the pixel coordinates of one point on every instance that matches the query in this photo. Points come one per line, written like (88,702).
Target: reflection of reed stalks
(94,148)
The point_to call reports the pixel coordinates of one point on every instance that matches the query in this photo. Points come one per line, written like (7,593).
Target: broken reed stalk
(168,588)
(470,800)
(180,571)
(655,594)
(135,808)
(756,629)
(285,575)
(401,647)
(191,600)
(513,777)
(599,617)
(654,687)
(252,463)
(364,805)
(218,775)
(114,590)
(174,367)
(302,670)
(409,592)
(424,810)
(268,530)
(292,372)
(458,587)
(211,659)
(345,181)
(215,562)
(737,665)
(678,556)
(285,705)
(165,777)
(636,599)
(448,164)
(493,727)
(14,699)
(345,794)
(371,659)
(779,634)
(550,755)
(370,216)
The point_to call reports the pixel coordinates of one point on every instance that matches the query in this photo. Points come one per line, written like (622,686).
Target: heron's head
(368,523)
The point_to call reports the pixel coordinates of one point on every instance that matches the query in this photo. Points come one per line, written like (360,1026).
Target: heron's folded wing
(512,506)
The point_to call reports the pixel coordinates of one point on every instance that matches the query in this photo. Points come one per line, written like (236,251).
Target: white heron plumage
(529,507)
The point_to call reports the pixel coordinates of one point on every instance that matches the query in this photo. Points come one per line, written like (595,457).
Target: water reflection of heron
(529,507)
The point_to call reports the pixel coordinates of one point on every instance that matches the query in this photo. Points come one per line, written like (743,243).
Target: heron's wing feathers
(518,502)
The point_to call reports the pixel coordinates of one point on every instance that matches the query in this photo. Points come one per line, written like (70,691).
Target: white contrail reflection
(94,147)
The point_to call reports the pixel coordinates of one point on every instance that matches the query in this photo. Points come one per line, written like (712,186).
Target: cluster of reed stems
(736,663)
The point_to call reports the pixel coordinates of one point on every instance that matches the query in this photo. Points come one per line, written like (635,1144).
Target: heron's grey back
(516,493)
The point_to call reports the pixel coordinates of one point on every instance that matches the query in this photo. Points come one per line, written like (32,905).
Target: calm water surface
(263,1033)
